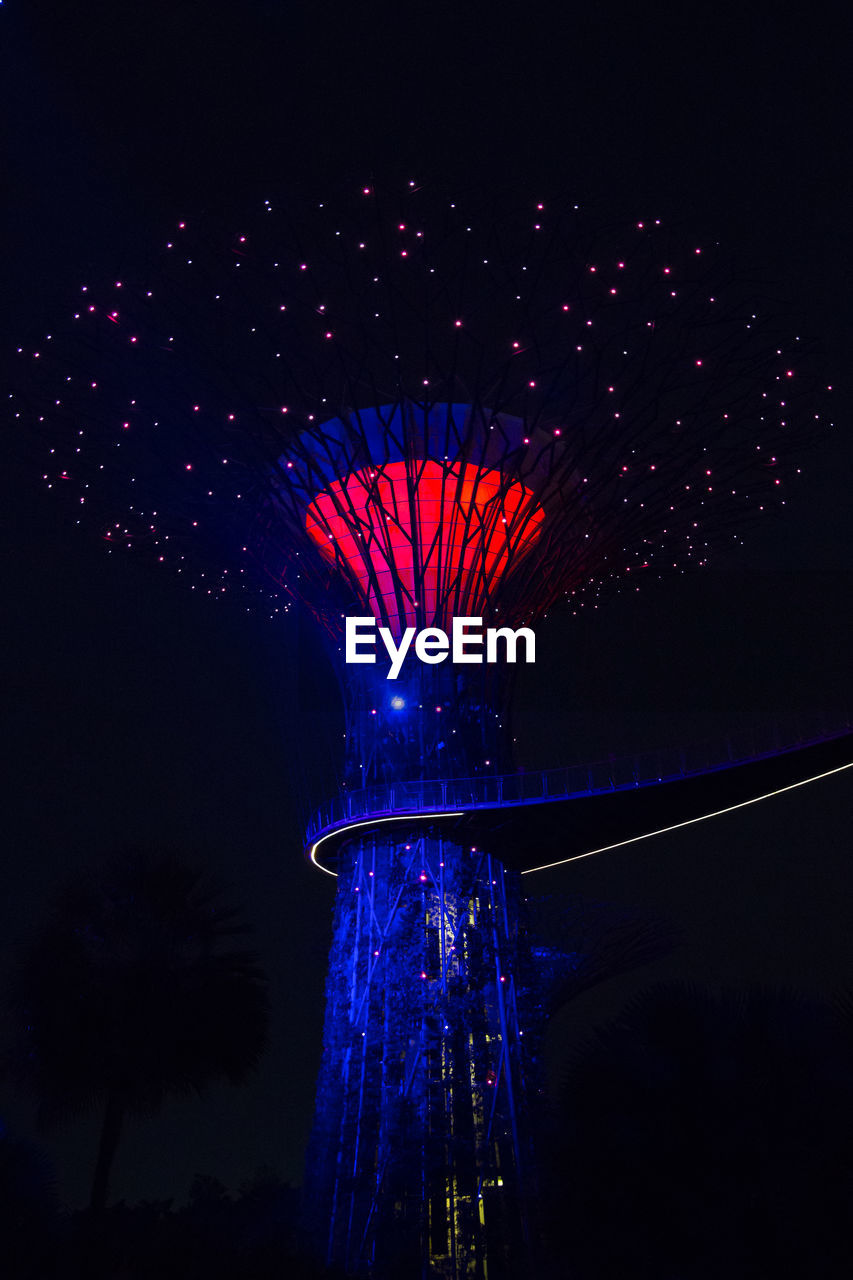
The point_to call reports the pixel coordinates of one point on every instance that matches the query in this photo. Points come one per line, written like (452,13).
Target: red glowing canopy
(423,541)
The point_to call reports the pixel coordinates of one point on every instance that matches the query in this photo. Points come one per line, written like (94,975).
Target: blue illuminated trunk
(419,1162)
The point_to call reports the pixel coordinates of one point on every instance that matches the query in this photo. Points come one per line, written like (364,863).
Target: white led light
(353,826)
(717,813)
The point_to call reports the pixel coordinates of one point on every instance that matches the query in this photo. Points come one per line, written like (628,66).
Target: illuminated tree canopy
(614,399)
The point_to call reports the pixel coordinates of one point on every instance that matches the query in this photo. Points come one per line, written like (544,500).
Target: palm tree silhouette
(137,987)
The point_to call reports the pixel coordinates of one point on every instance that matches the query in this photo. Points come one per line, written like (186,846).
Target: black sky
(135,710)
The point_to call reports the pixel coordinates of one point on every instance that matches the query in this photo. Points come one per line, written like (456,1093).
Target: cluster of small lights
(665,447)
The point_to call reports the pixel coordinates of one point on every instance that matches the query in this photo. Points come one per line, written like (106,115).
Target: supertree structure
(393,410)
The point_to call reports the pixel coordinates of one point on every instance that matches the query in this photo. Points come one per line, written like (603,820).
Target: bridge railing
(438,795)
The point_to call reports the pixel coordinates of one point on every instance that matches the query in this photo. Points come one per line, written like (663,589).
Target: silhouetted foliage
(28,1207)
(705,1135)
(215,1236)
(137,987)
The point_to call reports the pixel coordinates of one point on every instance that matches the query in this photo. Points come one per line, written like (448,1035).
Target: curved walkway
(441,799)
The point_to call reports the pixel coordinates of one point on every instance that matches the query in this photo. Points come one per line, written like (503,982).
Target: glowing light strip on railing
(547,866)
(372,822)
(689,822)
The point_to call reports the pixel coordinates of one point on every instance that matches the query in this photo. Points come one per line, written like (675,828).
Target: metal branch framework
(199,404)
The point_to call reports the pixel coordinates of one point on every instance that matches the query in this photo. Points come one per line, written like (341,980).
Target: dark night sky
(135,710)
